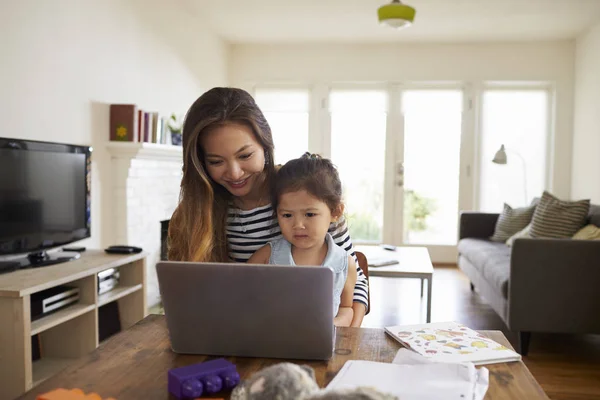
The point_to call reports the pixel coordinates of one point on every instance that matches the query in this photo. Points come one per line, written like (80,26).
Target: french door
(398,153)
(412,156)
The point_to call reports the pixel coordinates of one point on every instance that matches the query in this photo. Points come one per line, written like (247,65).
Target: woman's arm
(260,256)
(346,313)
(341,237)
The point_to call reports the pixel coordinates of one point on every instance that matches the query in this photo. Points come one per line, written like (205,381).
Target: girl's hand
(260,256)
(346,306)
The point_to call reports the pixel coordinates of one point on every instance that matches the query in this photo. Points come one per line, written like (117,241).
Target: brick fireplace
(145,181)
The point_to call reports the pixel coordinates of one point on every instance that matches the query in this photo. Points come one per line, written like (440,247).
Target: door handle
(400,182)
(400,168)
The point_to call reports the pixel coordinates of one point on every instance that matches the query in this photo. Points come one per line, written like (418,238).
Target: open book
(451,342)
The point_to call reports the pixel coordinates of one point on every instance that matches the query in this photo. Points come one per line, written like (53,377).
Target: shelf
(45,368)
(117,293)
(151,151)
(59,317)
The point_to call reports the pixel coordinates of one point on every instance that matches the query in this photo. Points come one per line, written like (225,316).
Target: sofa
(536,285)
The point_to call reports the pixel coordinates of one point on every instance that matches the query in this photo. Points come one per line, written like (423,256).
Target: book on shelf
(147,126)
(140,131)
(124,124)
(451,342)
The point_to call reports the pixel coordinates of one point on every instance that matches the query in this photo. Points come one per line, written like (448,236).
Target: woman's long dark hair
(197,227)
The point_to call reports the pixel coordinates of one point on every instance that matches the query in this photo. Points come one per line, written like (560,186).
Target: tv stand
(70,332)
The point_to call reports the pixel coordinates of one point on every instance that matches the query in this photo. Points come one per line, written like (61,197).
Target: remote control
(119,249)
(388,247)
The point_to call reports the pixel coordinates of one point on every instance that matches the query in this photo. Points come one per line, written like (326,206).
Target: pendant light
(396,14)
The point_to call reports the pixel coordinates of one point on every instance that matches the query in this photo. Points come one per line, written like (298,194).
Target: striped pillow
(555,218)
(511,221)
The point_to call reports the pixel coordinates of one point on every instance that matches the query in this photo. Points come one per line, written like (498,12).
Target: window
(287,111)
(517,119)
(432,135)
(358,131)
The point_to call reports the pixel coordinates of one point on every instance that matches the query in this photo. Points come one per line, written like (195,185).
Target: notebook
(375,261)
(451,342)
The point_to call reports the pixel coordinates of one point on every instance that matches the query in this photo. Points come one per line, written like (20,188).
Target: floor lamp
(501,158)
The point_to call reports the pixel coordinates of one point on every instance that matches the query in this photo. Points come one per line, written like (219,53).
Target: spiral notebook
(451,342)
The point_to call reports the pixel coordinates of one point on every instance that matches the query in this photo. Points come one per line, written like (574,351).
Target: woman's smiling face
(233,158)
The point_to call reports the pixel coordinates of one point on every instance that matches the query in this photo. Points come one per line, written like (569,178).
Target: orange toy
(74,394)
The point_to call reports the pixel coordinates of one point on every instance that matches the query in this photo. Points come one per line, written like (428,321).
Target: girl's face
(304,219)
(233,158)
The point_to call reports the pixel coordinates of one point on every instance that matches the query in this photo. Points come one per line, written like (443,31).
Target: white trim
(467,149)
(393,194)
(550,138)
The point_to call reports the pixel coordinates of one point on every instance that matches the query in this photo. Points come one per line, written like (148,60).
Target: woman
(224,212)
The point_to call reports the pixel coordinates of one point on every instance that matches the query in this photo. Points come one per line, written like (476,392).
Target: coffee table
(413,262)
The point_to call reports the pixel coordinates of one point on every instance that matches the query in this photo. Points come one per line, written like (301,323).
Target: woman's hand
(343,317)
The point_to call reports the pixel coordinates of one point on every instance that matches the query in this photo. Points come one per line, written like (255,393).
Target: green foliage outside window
(416,210)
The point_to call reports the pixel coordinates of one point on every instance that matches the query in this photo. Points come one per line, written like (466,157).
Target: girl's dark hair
(197,227)
(317,175)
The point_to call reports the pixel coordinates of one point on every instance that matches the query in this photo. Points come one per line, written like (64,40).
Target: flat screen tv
(44,198)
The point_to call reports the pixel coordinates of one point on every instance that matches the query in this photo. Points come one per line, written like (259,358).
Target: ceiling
(355,21)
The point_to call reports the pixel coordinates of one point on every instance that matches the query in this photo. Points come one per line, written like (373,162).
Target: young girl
(307,197)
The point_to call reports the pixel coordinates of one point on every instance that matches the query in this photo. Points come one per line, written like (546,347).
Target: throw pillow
(588,232)
(524,233)
(555,218)
(511,221)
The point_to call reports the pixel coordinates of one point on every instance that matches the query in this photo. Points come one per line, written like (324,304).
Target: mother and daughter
(236,206)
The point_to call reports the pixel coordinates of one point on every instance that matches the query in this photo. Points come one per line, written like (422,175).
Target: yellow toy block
(74,394)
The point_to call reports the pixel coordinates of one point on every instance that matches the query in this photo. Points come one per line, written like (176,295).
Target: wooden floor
(566,366)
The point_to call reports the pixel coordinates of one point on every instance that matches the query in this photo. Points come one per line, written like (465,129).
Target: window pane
(287,112)
(356,115)
(519,121)
(432,134)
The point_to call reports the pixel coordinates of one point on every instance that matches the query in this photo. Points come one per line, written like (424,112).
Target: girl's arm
(346,313)
(341,237)
(260,256)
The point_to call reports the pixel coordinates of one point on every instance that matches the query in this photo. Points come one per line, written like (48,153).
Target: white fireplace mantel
(147,151)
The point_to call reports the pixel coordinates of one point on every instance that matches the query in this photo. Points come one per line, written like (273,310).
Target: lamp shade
(396,14)
(500,156)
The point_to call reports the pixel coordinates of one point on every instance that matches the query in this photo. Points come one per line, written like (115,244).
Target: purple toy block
(210,377)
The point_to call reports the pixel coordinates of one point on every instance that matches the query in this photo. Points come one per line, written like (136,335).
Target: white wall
(63,61)
(314,64)
(585,174)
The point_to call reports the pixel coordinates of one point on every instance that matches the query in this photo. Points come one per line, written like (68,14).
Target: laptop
(248,310)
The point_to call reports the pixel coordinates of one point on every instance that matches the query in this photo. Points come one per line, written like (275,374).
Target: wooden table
(134,364)
(412,262)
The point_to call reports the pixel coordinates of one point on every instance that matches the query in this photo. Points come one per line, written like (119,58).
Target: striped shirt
(249,230)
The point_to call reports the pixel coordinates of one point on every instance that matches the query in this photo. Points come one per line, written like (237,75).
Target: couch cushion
(511,221)
(588,232)
(558,219)
(594,215)
(492,259)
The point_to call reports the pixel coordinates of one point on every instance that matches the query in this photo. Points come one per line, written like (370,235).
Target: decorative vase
(176,138)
